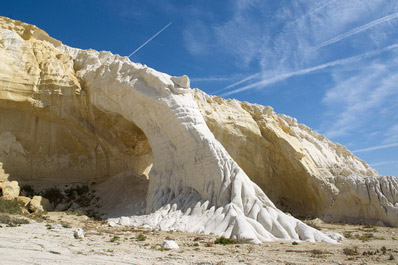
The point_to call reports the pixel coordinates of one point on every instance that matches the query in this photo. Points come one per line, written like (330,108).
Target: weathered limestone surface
(80,116)
(49,131)
(3,175)
(300,170)
(39,204)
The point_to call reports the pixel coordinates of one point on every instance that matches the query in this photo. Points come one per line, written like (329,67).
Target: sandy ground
(51,241)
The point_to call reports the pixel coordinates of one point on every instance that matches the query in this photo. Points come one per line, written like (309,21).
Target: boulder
(336,236)
(10,189)
(125,221)
(39,204)
(78,233)
(24,201)
(181,81)
(111,224)
(169,244)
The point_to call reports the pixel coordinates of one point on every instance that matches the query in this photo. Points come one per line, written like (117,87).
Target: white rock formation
(9,189)
(170,244)
(74,115)
(39,204)
(78,233)
(3,175)
(300,170)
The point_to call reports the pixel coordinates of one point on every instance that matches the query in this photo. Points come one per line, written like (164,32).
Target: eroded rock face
(39,204)
(49,130)
(74,115)
(300,170)
(3,175)
(9,189)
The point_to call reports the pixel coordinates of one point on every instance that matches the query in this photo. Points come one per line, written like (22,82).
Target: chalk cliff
(301,170)
(81,116)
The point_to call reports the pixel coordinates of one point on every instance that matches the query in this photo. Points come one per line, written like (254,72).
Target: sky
(332,64)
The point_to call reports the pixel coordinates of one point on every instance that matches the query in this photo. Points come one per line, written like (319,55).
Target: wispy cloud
(391,135)
(356,30)
(266,82)
(355,101)
(306,15)
(378,147)
(212,78)
(285,46)
(378,164)
(280,40)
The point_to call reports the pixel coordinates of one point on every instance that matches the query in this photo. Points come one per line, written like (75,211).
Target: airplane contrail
(313,11)
(145,43)
(238,83)
(356,30)
(376,148)
(288,24)
(284,76)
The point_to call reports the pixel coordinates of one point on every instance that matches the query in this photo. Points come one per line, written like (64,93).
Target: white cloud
(265,82)
(378,164)
(391,135)
(355,101)
(212,78)
(197,38)
(279,36)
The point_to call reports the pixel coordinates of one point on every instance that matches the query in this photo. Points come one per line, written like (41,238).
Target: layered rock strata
(81,116)
(301,170)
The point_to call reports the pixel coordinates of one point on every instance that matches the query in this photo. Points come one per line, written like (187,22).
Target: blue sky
(332,64)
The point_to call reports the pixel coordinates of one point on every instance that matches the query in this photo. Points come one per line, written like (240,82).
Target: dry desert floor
(50,240)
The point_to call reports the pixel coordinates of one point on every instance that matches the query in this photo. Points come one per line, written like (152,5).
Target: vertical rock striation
(71,115)
(300,170)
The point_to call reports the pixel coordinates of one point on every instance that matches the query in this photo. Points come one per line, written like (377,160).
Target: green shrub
(115,238)
(383,249)
(350,251)
(295,243)
(224,241)
(347,234)
(365,237)
(54,195)
(65,225)
(5,219)
(319,252)
(141,237)
(74,193)
(10,206)
(369,253)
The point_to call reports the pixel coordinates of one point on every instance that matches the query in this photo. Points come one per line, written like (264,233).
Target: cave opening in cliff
(80,157)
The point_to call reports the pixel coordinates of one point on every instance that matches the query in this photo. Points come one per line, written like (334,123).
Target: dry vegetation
(108,245)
